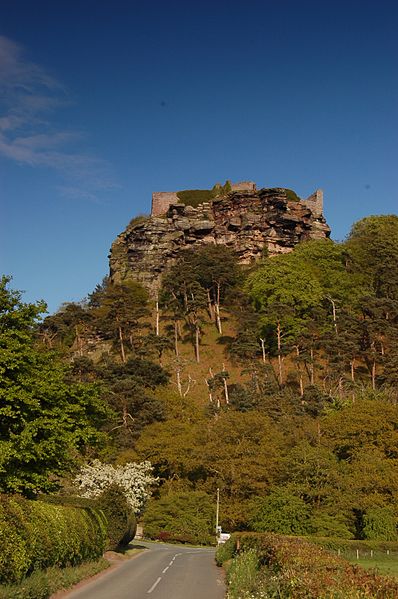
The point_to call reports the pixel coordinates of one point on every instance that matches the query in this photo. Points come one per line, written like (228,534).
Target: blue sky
(102,103)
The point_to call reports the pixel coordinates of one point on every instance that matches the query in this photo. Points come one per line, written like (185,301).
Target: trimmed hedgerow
(121,521)
(292,567)
(35,535)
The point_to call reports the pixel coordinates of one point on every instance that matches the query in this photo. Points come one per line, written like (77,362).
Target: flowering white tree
(135,479)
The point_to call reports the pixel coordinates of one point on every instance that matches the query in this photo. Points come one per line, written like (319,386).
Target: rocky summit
(251,222)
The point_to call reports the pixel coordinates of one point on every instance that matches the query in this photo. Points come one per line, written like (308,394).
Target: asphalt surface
(161,572)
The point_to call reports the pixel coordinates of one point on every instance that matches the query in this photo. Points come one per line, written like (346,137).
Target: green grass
(44,583)
(195,197)
(386,565)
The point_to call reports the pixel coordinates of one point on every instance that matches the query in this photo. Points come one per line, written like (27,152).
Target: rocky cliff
(249,222)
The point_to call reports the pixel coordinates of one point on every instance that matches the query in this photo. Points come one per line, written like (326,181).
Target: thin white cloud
(29,97)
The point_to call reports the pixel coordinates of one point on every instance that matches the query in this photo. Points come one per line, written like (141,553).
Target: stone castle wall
(162,200)
(315,202)
(244,186)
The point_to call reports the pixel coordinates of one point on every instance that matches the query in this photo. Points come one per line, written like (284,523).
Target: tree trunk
(197,335)
(334,314)
(226,394)
(280,372)
(312,366)
(178,378)
(352,364)
(218,318)
(217,309)
(210,306)
(374,374)
(176,338)
(263,349)
(157,317)
(299,372)
(122,352)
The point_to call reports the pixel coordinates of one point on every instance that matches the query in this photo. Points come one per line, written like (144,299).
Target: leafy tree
(121,522)
(285,295)
(372,246)
(119,311)
(217,271)
(380,524)
(281,512)
(129,392)
(70,326)
(134,479)
(186,298)
(183,516)
(45,420)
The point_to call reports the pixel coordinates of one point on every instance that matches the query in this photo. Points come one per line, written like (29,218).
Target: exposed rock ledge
(248,222)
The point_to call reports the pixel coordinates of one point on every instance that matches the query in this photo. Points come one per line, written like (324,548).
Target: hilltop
(252,223)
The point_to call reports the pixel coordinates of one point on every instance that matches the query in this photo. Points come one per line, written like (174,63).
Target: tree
(119,311)
(181,516)
(372,247)
(216,270)
(284,292)
(46,421)
(281,512)
(186,298)
(134,479)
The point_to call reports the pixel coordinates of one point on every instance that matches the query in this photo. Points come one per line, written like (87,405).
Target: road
(162,571)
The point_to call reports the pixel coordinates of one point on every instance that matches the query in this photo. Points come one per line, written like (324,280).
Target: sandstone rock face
(249,222)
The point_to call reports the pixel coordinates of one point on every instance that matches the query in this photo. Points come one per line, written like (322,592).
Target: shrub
(121,520)
(35,535)
(242,574)
(187,517)
(134,479)
(299,569)
(281,512)
(291,195)
(195,197)
(380,524)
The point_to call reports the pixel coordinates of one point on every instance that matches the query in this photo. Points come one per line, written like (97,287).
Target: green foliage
(242,575)
(195,197)
(291,195)
(138,220)
(373,250)
(120,308)
(42,584)
(35,535)
(121,522)
(45,420)
(281,512)
(187,517)
(294,568)
(225,552)
(380,523)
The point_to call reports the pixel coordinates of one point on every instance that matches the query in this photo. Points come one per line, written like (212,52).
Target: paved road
(161,572)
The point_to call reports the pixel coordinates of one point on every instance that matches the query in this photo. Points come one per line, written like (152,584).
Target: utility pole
(217,510)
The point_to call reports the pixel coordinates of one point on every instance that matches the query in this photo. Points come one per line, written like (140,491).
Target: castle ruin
(162,200)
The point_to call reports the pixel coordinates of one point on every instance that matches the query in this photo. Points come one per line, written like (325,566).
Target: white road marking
(171,563)
(165,570)
(155,584)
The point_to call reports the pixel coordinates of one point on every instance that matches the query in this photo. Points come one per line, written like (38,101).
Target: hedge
(121,523)
(295,568)
(35,535)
